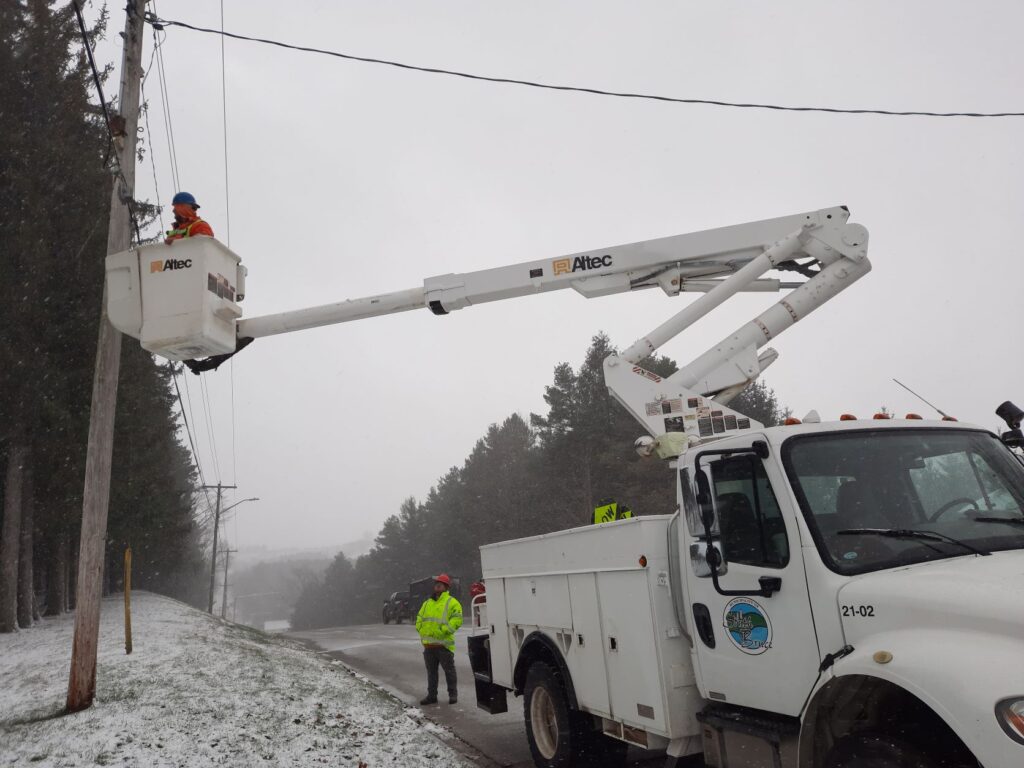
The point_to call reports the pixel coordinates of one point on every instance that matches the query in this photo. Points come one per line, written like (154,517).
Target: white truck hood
(983,594)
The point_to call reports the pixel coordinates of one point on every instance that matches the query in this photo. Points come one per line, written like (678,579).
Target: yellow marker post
(128,600)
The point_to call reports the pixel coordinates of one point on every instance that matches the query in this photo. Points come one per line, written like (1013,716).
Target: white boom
(180,304)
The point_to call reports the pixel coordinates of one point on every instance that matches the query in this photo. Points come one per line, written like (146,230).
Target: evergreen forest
(55,190)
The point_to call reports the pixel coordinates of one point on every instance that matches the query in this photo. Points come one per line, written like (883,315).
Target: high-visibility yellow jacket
(438,619)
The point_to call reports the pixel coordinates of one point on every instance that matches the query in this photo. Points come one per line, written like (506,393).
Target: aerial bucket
(180,300)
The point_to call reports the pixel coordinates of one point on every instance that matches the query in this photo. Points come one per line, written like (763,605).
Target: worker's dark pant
(432,656)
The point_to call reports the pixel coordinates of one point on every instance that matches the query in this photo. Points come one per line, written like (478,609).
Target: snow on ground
(197,690)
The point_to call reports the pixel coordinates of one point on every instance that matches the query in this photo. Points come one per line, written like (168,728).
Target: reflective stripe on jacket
(195,227)
(438,620)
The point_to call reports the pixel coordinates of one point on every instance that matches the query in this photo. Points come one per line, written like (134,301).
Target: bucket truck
(843,594)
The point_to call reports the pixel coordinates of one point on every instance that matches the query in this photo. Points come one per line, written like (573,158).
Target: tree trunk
(10,537)
(70,573)
(26,582)
(39,578)
(57,578)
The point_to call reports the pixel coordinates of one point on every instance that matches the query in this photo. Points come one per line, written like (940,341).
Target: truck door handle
(702,619)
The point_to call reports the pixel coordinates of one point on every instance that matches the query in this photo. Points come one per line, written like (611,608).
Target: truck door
(753,650)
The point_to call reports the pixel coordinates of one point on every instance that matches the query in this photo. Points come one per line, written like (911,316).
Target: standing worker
(439,618)
(186,221)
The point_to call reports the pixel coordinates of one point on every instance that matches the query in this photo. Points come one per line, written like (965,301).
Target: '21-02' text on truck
(843,594)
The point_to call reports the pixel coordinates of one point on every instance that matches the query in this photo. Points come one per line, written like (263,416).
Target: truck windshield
(960,484)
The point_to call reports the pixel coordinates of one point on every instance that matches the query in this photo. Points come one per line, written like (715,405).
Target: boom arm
(682,263)
(179,312)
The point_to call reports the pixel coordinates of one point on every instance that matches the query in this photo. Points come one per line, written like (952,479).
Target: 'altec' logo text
(581,263)
(163,266)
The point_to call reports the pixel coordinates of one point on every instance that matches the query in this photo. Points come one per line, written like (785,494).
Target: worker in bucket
(186,219)
(439,618)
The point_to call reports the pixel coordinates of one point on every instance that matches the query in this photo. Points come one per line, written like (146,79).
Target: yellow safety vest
(186,232)
(438,620)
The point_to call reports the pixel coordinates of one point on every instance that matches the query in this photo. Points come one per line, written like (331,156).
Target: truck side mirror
(705,503)
(1013,438)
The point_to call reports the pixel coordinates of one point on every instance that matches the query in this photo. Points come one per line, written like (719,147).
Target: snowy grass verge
(198,691)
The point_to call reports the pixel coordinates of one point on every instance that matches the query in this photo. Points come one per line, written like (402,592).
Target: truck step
(769,726)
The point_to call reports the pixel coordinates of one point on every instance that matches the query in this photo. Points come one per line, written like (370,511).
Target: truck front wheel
(874,750)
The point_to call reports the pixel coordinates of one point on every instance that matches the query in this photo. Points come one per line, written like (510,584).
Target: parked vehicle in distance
(397,607)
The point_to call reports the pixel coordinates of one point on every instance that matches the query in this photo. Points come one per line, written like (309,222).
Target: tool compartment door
(585,656)
(634,682)
(498,632)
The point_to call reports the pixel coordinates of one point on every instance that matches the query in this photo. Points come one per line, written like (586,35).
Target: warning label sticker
(664,407)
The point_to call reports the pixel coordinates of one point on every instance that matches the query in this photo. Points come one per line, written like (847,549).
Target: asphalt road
(391,656)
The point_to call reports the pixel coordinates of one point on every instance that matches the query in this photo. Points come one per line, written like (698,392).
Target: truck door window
(752,529)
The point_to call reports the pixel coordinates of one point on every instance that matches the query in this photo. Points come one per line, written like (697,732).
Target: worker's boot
(453,698)
(428,700)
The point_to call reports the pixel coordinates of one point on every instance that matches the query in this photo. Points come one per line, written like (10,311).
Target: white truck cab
(843,594)
(861,606)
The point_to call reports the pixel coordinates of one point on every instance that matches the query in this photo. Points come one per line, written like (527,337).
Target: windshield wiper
(1007,520)
(907,533)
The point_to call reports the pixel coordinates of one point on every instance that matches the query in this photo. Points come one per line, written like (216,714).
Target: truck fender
(539,647)
(932,666)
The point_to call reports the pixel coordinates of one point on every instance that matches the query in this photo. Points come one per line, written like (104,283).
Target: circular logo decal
(748,626)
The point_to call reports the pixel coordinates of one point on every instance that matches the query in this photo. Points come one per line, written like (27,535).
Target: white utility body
(612,619)
(841,594)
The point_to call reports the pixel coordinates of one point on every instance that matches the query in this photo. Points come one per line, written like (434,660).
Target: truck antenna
(941,413)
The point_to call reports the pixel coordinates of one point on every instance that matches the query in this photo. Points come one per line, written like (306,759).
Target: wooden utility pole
(224,594)
(216,531)
(96,495)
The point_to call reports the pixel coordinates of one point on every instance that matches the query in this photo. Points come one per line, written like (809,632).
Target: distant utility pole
(96,494)
(216,531)
(224,596)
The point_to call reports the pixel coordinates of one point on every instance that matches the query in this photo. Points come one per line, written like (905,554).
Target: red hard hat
(443,578)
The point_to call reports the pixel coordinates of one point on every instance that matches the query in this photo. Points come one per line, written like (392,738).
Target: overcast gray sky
(349,179)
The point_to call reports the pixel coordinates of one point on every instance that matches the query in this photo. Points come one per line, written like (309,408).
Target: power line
(224,105)
(149,133)
(227,218)
(208,408)
(159,23)
(199,466)
(165,103)
(152,159)
(234,453)
(126,191)
(191,442)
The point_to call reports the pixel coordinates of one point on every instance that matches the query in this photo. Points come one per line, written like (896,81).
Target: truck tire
(555,739)
(875,750)
(385,617)
(560,737)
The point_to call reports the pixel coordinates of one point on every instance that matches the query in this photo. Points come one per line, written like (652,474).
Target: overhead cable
(191,442)
(126,198)
(165,103)
(224,115)
(159,23)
